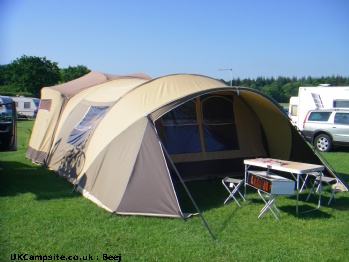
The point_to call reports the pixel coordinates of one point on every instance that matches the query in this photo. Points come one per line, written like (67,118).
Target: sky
(250,38)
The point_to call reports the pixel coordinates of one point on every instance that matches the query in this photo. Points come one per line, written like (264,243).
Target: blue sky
(159,37)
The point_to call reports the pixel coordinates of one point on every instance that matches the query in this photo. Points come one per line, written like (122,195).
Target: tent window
(45,104)
(93,115)
(182,115)
(180,129)
(218,120)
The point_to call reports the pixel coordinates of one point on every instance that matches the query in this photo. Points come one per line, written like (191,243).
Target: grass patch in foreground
(40,215)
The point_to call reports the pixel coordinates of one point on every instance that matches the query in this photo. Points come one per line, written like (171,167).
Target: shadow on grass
(210,194)
(207,194)
(19,178)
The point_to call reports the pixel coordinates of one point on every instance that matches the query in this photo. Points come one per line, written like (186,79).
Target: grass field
(42,216)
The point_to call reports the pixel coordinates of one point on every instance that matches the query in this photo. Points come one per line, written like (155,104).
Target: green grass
(40,215)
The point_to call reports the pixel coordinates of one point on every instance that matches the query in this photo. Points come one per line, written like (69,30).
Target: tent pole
(181,179)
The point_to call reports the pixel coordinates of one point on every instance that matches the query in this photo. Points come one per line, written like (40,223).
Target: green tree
(29,74)
(73,72)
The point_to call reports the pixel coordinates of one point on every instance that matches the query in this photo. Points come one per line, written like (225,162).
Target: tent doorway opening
(203,136)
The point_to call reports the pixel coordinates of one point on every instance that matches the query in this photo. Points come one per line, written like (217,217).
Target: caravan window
(27,105)
(218,121)
(294,110)
(93,115)
(341,103)
(180,129)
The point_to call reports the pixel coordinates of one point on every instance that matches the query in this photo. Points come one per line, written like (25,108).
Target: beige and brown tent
(131,138)
(52,105)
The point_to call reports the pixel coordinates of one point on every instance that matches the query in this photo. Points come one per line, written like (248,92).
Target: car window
(341,118)
(319,116)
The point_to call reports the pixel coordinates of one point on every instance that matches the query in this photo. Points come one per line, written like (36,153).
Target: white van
(26,106)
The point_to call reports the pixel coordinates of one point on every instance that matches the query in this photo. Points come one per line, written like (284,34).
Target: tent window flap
(93,115)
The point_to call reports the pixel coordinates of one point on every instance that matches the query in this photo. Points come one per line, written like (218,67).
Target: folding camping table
(296,169)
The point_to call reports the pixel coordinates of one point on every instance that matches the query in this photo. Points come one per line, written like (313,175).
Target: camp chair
(310,174)
(233,185)
(324,179)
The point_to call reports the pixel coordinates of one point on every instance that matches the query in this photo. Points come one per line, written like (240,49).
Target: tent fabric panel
(35,155)
(113,90)
(150,189)
(248,129)
(279,139)
(70,88)
(44,126)
(107,178)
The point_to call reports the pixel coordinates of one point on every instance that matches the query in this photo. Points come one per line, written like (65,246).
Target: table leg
(297,192)
(246,168)
(319,192)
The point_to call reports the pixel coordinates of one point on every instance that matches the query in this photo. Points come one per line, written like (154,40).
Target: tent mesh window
(205,124)
(218,121)
(180,129)
(93,115)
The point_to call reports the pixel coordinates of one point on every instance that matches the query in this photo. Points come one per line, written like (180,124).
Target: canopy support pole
(181,179)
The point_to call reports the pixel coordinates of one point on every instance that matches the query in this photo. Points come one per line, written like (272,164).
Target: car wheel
(323,143)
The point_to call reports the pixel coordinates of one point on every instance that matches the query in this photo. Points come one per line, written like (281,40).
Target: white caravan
(26,106)
(315,97)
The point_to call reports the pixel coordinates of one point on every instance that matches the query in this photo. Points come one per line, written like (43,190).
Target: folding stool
(233,185)
(318,185)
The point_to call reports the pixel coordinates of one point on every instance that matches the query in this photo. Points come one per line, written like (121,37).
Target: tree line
(28,74)
(282,88)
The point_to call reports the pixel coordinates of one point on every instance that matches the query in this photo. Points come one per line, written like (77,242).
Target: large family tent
(198,124)
(52,104)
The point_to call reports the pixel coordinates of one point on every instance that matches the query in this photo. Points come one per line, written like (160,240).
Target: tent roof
(93,78)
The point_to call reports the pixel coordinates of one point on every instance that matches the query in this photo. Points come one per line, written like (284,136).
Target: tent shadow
(207,194)
(20,178)
(210,194)
(341,207)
